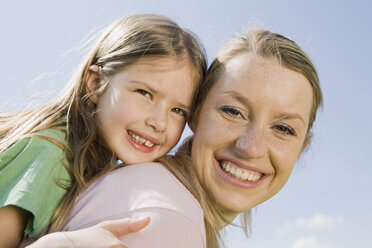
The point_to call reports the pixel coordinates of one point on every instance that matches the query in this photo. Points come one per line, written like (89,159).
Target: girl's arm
(102,235)
(12,225)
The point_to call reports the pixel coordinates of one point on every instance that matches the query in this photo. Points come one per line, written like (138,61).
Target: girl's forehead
(163,62)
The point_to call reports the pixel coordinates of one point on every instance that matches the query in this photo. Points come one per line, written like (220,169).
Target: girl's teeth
(141,140)
(239,172)
(148,144)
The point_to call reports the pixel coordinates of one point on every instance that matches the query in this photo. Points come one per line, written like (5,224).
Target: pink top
(138,191)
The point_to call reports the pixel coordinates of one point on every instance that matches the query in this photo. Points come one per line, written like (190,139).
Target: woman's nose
(251,143)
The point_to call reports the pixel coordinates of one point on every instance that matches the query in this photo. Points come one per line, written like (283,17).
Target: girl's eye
(180,112)
(285,129)
(232,112)
(144,93)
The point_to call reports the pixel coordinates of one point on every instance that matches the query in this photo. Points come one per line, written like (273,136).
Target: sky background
(327,202)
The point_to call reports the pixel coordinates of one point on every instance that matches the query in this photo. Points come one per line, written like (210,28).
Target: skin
(12,224)
(260,125)
(144,101)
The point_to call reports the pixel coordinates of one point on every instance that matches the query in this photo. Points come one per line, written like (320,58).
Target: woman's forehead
(264,82)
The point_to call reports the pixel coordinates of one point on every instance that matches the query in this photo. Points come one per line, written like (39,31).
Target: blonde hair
(122,44)
(267,45)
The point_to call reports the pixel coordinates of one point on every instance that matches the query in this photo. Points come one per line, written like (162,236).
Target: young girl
(124,103)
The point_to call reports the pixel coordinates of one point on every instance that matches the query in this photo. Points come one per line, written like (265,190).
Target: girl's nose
(157,120)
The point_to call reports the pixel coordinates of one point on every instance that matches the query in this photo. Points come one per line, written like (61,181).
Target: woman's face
(251,130)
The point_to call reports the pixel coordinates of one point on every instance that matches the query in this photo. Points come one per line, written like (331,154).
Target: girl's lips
(145,136)
(238,181)
(141,142)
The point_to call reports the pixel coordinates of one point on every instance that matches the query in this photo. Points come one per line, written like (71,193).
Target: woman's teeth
(140,140)
(240,172)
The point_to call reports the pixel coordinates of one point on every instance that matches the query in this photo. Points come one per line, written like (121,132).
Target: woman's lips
(238,172)
(237,175)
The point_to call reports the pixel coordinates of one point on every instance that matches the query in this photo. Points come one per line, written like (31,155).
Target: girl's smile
(142,111)
(142,142)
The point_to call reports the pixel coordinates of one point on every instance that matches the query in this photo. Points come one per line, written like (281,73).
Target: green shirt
(31,172)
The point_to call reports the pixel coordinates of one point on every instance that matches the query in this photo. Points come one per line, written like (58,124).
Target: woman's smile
(260,118)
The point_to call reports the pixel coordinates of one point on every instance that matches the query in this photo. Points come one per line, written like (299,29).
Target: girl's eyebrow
(181,105)
(144,84)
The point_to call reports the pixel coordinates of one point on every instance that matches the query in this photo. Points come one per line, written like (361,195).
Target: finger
(125,226)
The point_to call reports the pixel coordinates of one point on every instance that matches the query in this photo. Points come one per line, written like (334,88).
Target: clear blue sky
(327,202)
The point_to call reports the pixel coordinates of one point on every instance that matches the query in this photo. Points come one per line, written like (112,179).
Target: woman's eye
(144,93)
(285,130)
(180,112)
(232,112)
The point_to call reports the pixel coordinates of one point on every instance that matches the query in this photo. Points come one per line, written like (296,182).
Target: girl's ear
(91,82)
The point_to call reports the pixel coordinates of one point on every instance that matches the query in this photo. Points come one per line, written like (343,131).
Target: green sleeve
(31,173)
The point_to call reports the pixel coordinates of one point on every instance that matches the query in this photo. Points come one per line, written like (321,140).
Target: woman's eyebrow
(237,97)
(287,116)
(282,115)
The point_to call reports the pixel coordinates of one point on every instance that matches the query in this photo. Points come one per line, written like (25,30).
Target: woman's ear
(91,82)
(306,142)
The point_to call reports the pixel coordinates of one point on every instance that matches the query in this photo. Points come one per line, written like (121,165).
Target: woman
(252,122)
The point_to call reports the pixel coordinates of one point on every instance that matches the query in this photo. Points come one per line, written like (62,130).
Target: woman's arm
(12,225)
(103,235)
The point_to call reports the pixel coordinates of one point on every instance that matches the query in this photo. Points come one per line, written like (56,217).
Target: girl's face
(251,130)
(143,110)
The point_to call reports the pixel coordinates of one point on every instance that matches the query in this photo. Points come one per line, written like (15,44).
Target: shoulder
(44,141)
(141,190)
(40,151)
(152,180)
(138,190)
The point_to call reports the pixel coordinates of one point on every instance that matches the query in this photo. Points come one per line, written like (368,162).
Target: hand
(104,234)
